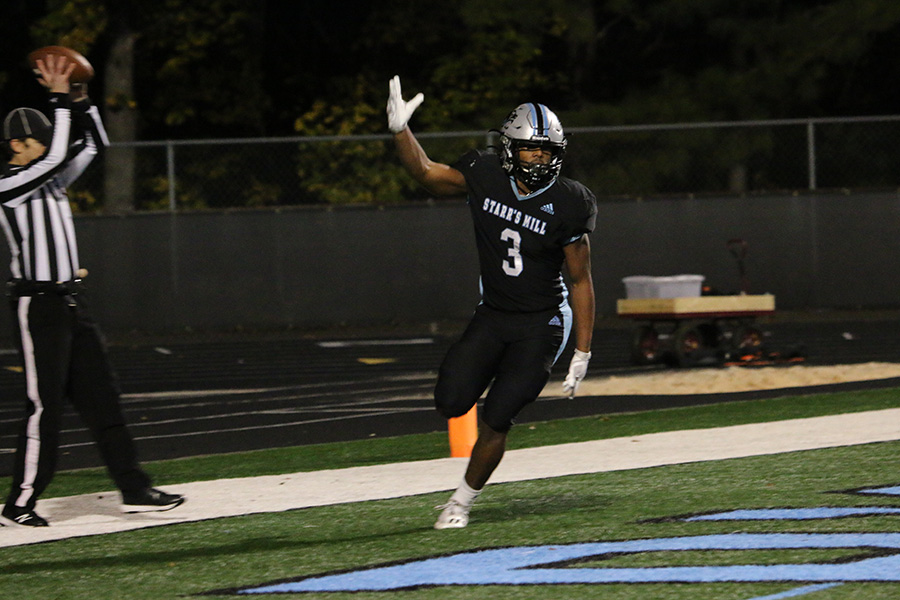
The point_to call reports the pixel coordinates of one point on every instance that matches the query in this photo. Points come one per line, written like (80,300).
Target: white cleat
(453,516)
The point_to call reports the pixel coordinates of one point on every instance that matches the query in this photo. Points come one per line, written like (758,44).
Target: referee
(62,350)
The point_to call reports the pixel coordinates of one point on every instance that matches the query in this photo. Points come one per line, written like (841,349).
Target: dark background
(214,68)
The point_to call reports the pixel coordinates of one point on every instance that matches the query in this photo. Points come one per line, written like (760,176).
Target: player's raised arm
(437,178)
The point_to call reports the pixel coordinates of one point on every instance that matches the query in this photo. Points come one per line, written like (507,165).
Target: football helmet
(530,125)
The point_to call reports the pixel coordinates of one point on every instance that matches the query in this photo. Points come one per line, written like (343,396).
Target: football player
(529,222)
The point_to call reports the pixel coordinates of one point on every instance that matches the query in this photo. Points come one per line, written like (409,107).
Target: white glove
(398,111)
(577,371)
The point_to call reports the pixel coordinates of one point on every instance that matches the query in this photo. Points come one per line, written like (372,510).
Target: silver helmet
(530,125)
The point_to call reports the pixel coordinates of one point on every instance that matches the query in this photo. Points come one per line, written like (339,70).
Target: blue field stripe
(800,591)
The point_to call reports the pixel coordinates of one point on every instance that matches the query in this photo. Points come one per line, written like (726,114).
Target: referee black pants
(64,357)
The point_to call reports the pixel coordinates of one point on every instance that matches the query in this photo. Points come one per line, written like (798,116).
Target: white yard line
(94,514)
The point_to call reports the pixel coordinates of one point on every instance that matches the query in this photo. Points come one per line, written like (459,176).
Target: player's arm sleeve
(469,163)
(584,221)
(466,162)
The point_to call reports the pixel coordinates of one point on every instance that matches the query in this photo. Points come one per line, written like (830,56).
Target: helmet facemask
(529,126)
(533,174)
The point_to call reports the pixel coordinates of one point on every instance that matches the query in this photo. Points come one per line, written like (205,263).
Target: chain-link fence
(618,163)
(737,157)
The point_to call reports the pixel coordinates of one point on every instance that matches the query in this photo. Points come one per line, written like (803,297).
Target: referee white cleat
(150,500)
(453,516)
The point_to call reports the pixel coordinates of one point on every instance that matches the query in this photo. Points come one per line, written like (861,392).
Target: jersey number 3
(513,265)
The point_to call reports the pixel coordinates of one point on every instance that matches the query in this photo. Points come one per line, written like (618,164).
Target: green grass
(375,451)
(174,561)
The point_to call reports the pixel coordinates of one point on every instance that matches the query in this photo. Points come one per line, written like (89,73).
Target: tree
(163,68)
(175,69)
(723,60)
(474,61)
(719,60)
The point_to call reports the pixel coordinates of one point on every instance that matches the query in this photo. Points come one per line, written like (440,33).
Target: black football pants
(64,356)
(513,353)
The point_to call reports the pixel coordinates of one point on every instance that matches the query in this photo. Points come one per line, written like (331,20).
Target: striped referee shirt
(36,216)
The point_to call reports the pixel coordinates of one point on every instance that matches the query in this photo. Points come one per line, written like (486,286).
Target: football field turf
(662,532)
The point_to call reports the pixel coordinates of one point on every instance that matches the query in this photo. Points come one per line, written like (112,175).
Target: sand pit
(732,379)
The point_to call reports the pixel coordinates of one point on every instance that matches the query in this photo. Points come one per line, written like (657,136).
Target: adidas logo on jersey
(555,321)
(548,208)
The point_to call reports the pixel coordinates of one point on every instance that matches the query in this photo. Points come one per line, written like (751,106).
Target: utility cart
(695,330)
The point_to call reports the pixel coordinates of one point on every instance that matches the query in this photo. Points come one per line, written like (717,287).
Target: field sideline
(619,479)
(94,514)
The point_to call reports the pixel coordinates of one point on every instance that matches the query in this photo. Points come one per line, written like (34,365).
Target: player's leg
(486,454)
(521,375)
(468,368)
(466,372)
(43,338)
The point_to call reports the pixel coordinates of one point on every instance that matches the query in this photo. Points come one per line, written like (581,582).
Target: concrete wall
(811,252)
(321,267)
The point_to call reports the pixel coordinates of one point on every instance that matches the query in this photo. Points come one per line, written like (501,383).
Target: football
(83,72)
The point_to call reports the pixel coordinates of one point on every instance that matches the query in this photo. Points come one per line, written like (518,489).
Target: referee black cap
(24,123)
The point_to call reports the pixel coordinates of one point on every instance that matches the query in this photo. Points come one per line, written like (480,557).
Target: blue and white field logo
(875,557)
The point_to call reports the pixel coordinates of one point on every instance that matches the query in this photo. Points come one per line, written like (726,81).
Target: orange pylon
(463,432)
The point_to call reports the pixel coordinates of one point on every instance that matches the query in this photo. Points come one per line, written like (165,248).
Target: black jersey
(520,239)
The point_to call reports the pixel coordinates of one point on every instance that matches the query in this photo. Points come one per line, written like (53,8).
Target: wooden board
(697,306)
